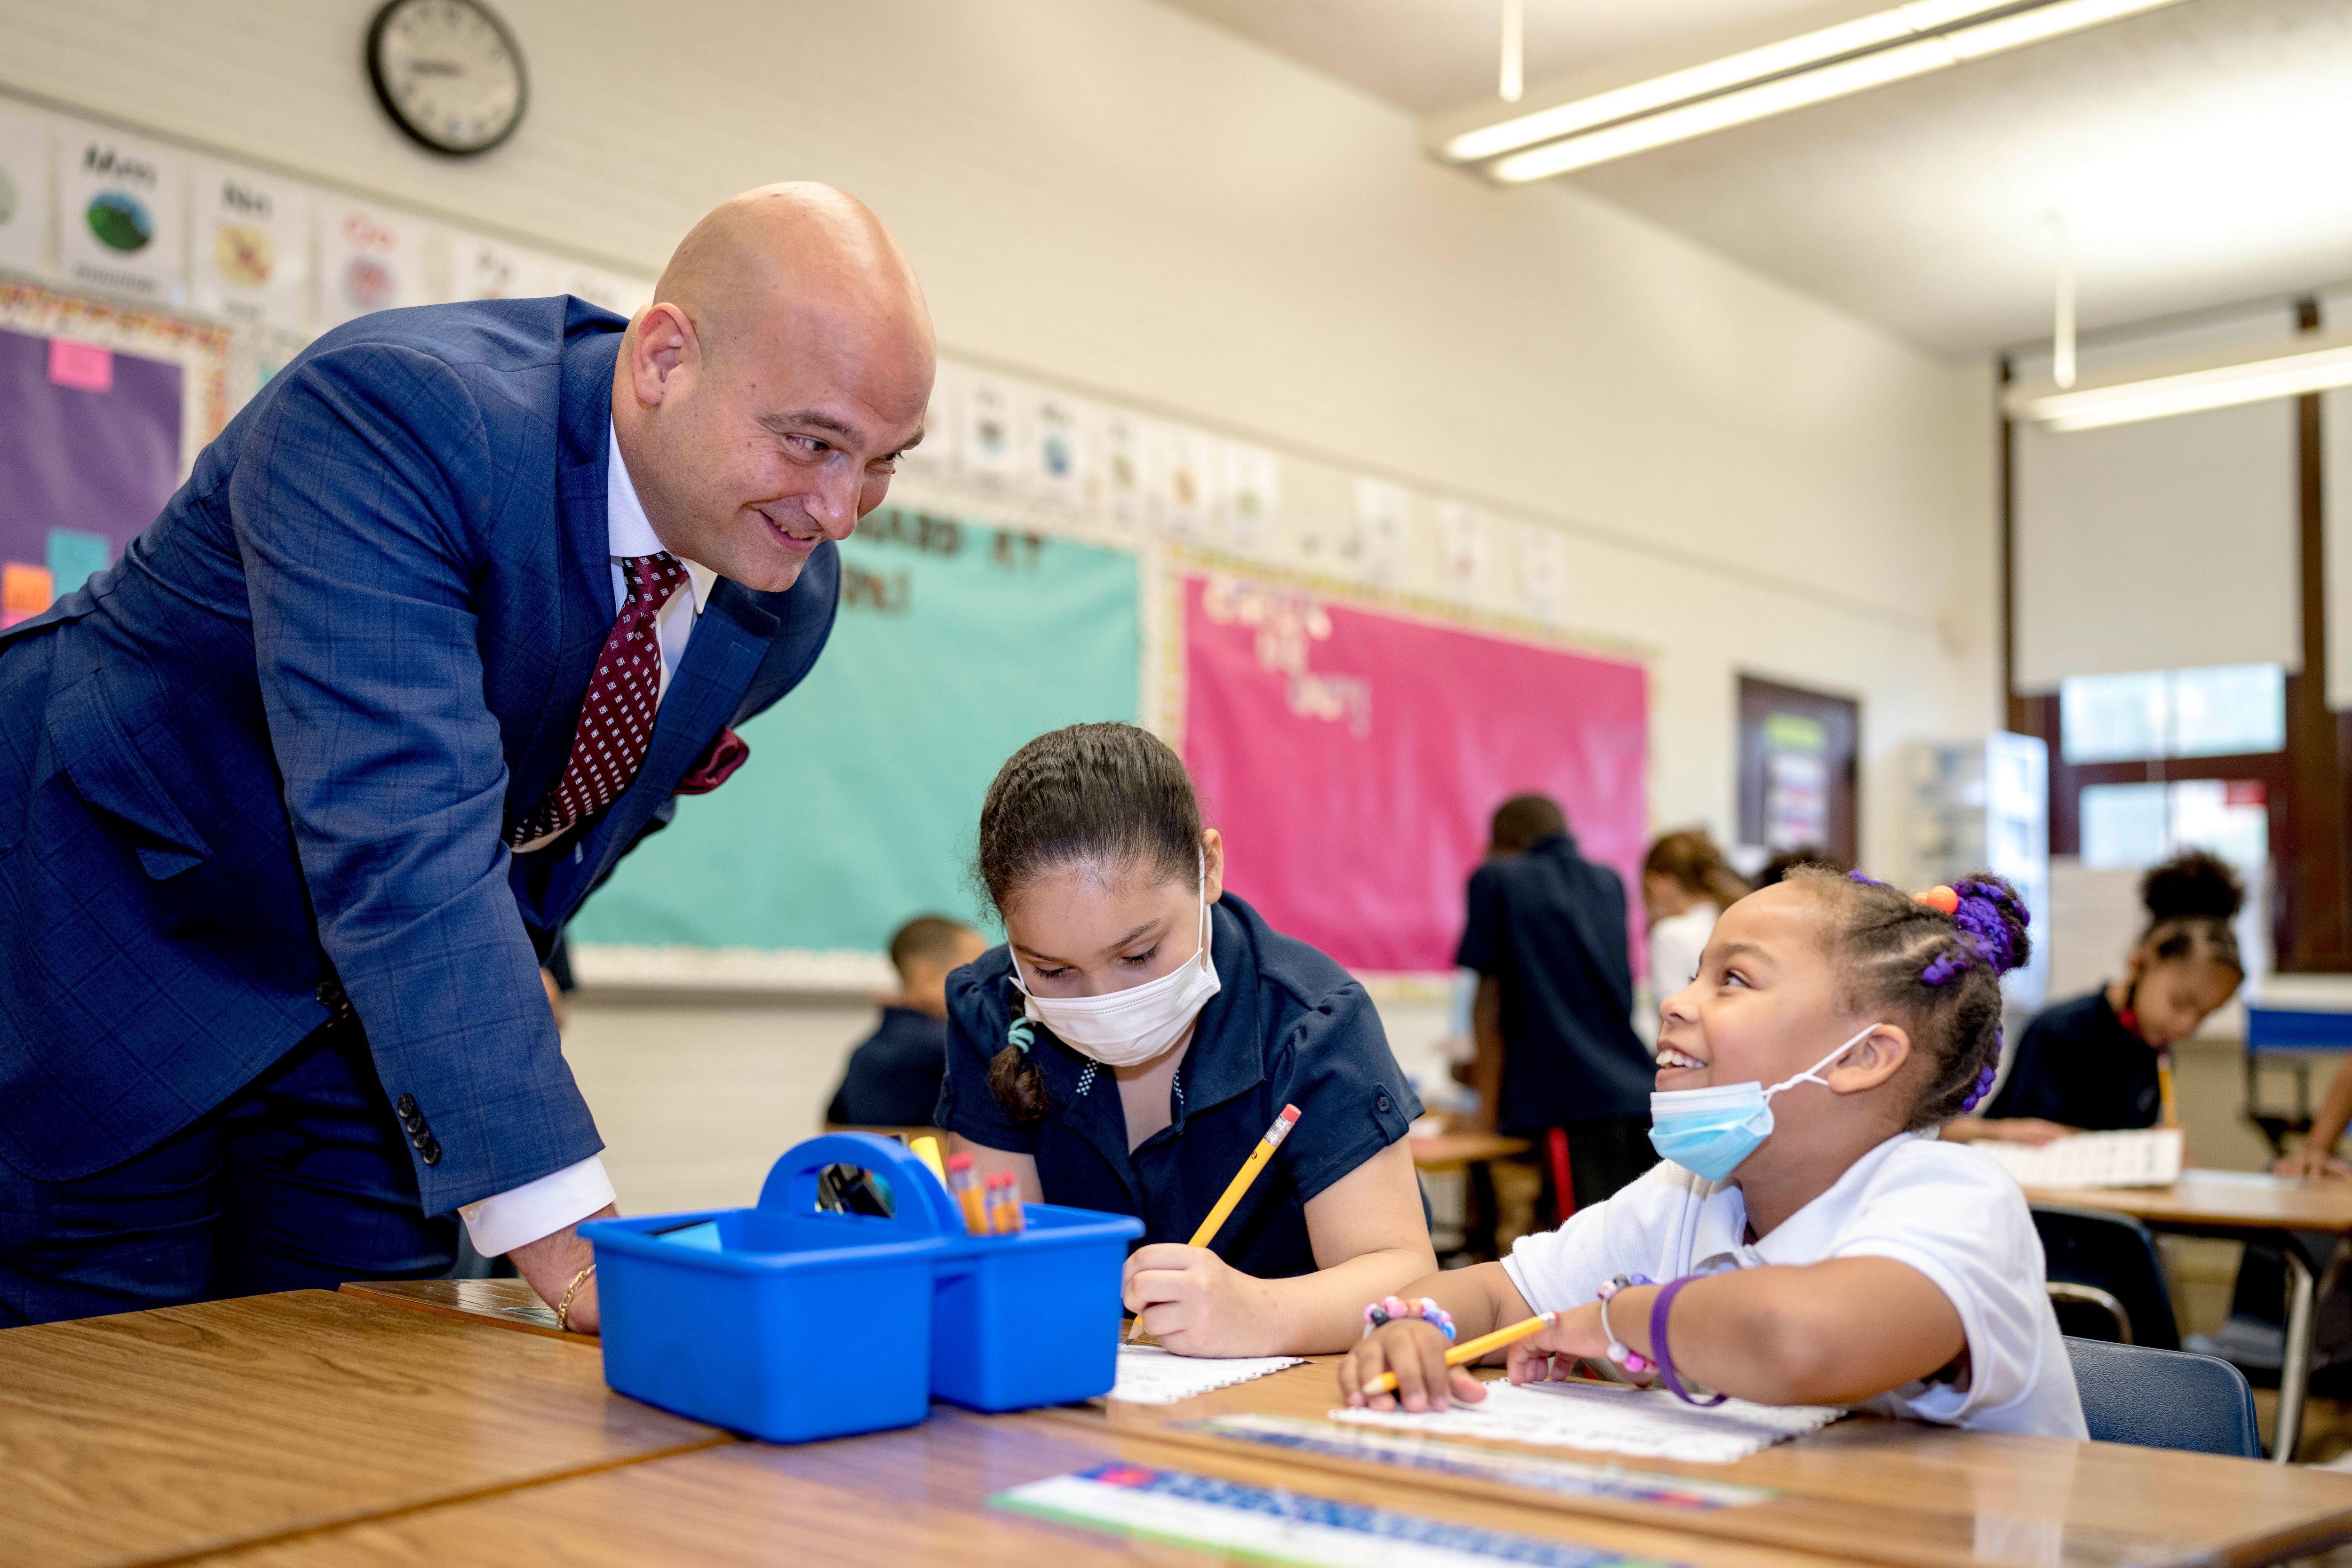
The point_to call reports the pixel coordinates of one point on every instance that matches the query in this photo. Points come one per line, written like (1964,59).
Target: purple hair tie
(1983,1086)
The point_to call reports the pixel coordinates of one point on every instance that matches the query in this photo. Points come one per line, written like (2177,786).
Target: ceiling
(2202,153)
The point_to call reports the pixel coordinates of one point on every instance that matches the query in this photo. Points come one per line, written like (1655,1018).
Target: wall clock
(448,73)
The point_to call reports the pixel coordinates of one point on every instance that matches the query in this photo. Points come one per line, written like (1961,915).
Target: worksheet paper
(1150,1376)
(2148,1157)
(1651,1423)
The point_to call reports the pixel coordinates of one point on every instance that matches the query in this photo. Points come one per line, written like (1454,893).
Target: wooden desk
(2227,1204)
(1439,1151)
(1899,1493)
(2222,1199)
(502,1303)
(158,1435)
(916,1496)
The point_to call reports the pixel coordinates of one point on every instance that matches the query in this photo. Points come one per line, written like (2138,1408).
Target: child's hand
(2030,1129)
(1415,1352)
(1552,1355)
(1195,1302)
(2309,1162)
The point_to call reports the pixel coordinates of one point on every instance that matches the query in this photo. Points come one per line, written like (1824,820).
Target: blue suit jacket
(269,758)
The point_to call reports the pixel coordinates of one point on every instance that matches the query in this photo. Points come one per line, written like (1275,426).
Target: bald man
(294,796)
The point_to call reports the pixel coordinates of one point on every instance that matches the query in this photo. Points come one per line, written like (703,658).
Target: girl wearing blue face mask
(1139,1032)
(1808,1239)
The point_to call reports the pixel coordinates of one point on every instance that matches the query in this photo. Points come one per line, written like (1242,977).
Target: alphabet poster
(369,259)
(252,252)
(24,192)
(119,216)
(1353,757)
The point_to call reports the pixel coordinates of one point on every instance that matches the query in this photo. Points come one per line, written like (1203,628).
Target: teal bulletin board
(859,804)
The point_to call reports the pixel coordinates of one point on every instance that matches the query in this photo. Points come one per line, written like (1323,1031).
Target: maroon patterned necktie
(616,719)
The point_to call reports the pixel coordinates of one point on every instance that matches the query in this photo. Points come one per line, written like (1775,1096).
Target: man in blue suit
(294,796)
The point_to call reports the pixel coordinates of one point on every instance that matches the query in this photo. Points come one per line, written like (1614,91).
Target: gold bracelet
(564,1311)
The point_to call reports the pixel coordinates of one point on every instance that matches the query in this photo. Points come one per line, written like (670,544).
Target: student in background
(1909,1278)
(2096,1063)
(1554,1016)
(892,1079)
(1139,1032)
(1685,884)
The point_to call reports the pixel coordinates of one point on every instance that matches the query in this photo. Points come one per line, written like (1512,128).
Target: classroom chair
(2106,1281)
(2164,1399)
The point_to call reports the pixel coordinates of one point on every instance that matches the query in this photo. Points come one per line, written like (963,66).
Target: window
(2222,710)
(2125,827)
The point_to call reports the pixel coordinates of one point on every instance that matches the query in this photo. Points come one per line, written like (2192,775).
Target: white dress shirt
(502,1223)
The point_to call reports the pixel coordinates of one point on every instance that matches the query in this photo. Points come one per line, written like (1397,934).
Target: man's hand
(551,1262)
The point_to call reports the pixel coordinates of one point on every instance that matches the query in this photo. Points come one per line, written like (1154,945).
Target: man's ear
(662,343)
(1874,1058)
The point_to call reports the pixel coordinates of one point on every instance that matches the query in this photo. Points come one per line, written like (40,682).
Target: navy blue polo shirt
(1550,926)
(892,1079)
(2079,1067)
(1289,1026)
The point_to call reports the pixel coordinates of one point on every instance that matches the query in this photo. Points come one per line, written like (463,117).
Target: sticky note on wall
(25,592)
(76,555)
(85,367)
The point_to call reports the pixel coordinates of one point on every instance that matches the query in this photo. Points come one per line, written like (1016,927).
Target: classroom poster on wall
(24,193)
(956,643)
(623,293)
(481,268)
(1253,493)
(119,218)
(1543,571)
(89,451)
(369,259)
(1352,758)
(251,250)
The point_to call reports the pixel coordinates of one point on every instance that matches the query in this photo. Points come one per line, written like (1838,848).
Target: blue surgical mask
(1710,1130)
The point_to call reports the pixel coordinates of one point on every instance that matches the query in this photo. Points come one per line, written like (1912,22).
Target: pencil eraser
(1290,1113)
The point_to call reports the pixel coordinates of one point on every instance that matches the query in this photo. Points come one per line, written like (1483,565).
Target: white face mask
(1122,1028)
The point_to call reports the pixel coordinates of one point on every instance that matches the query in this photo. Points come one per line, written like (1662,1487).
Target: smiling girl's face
(1764,1005)
(1086,929)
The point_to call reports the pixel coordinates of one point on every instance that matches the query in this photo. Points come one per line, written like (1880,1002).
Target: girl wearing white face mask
(1138,1032)
(1807,1239)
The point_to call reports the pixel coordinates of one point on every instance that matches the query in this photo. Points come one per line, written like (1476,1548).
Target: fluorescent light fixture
(2313,369)
(1852,56)
(1511,81)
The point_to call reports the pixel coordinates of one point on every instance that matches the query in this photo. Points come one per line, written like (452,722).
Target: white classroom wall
(1118,199)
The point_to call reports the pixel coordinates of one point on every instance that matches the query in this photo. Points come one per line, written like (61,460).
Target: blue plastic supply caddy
(799,1322)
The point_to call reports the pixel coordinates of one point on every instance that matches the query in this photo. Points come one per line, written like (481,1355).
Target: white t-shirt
(1676,943)
(1943,1208)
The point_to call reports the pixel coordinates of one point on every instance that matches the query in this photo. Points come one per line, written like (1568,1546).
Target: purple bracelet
(1658,1353)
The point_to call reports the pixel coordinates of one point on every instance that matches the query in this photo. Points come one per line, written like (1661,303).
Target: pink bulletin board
(1351,757)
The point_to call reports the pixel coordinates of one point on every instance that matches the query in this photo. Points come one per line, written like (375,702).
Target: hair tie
(1984,1080)
(1020,1034)
(1940,897)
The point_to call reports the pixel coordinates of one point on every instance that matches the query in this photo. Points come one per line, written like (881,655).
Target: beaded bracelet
(1664,1358)
(1620,1352)
(1390,1308)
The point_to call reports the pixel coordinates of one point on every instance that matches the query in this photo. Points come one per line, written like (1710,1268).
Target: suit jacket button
(405,1105)
(331,995)
(431,1149)
(1381,1103)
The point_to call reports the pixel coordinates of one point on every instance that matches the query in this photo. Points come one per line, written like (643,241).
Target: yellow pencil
(1235,1188)
(1471,1349)
(2164,1087)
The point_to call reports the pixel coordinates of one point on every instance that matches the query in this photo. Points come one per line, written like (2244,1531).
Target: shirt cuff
(510,1220)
